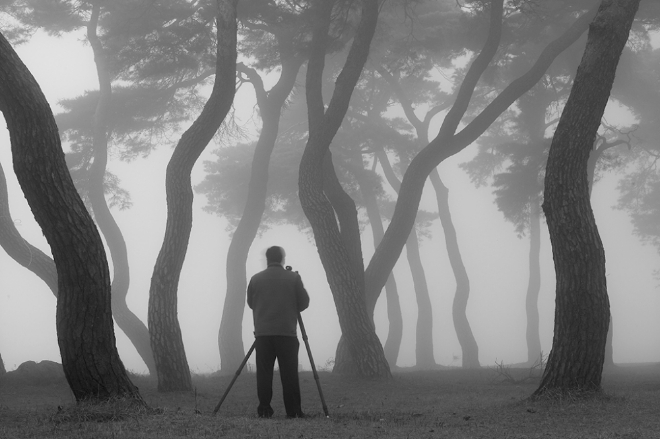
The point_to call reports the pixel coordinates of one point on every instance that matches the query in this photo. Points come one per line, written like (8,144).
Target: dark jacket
(276,296)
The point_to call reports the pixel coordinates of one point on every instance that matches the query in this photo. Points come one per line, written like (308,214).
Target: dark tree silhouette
(84,318)
(164,329)
(582,312)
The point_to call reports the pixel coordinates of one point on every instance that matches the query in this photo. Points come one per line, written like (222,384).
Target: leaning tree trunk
(19,249)
(392,344)
(133,327)
(354,320)
(448,142)
(85,330)
(582,311)
(469,347)
(230,336)
(532,334)
(424,328)
(166,339)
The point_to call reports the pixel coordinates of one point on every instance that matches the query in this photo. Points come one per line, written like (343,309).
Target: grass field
(447,403)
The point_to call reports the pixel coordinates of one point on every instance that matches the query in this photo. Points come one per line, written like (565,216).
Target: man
(276,296)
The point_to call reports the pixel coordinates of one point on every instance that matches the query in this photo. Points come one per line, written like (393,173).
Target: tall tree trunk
(582,311)
(469,347)
(2,367)
(354,320)
(532,334)
(133,327)
(424,328)
(448,142)
(19,249)
(164,329)
(395,333)
(230,336)
(85,330)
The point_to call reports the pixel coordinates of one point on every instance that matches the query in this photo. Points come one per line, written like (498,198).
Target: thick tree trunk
(582,312)
(84,324)
(447,142)
(19,249)
(532,335)
(349,296)
(469,347)
(133,327)
(230,336)
(164,329)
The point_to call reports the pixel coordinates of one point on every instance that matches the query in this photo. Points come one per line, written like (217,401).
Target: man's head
(275,255)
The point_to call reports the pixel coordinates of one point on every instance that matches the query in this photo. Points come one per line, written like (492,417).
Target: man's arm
(301,295)
(250,295)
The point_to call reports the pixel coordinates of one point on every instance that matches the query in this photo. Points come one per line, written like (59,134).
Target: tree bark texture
(133,327)
(582,310)
(447,143)
(85,330)
(18,248)
(230,336)
(349,297)
(469,347)
(164,329)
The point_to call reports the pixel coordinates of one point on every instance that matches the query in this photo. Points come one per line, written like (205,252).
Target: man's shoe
(265,413)
(297,415)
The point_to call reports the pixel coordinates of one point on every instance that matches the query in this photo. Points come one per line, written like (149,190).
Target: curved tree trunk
(469,347)
(230,336)
(582,311)
(395,333)
(354,320)
(19,249)
(164,329)
(424,328)
(532,334)
(85,330)
(133,327)
(448,142)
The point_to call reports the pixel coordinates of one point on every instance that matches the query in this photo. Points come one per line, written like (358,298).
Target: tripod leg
(311,361)
(238,372)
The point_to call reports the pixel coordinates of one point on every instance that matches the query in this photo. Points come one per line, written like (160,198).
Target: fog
(495,258)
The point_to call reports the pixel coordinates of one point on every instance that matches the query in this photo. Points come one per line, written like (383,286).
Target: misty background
(495,257)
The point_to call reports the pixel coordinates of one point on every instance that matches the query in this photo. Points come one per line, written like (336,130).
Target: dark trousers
(285,349)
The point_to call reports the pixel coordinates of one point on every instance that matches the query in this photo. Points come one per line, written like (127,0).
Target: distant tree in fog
(582,311)
(18,248)
(91,363)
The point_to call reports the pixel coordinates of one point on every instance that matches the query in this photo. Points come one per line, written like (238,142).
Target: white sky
(495,258)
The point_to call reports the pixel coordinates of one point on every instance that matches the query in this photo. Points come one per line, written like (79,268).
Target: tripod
(311,361)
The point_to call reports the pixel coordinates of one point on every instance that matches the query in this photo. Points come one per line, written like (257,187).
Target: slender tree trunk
(164,329)
(532,334)
(230,336)
(85,330)
(133,327)
(2,367)
(582,312)
(469,347)
(356,324)
(395,332)
(424,328)
(448,142)
(19,249)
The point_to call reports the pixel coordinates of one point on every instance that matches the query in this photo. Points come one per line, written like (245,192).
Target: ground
(445,403)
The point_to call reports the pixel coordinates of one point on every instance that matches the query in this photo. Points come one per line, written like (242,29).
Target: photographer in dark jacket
(276,296)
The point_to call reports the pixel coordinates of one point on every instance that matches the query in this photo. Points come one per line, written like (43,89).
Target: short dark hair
(275,254)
